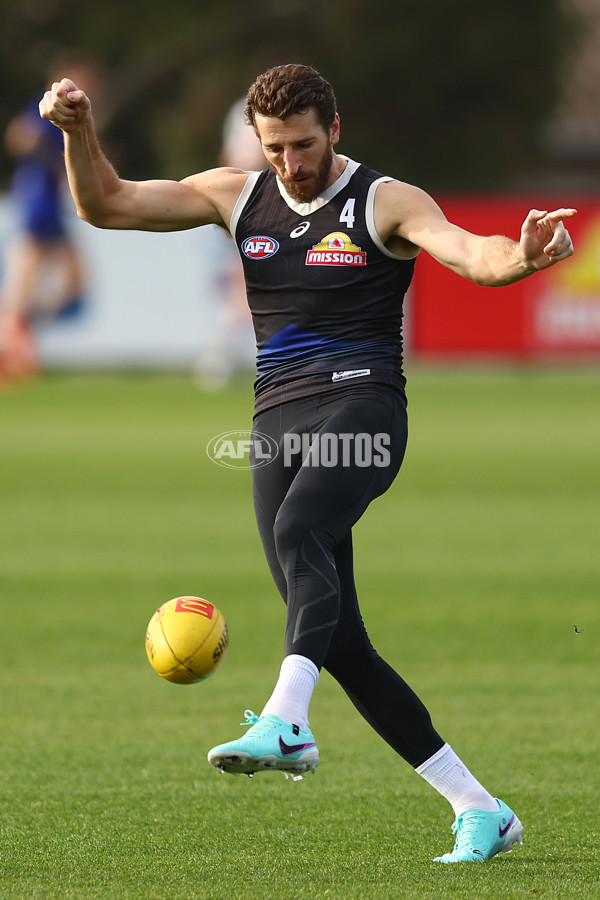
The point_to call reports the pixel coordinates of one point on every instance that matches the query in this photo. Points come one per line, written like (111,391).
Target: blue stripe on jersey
(292,344)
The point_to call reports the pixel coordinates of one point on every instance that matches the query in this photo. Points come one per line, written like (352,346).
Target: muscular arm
(407,213)
(107,201)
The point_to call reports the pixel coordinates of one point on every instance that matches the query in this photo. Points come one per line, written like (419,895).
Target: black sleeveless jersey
(325,293)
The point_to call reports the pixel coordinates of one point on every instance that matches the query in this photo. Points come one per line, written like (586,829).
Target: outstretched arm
(107,201)
(405,212)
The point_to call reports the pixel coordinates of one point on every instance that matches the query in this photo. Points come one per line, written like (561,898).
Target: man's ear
(334,131)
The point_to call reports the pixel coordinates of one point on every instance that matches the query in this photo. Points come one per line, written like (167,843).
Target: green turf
(473,571)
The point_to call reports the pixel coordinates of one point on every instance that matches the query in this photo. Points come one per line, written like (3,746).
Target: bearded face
(307,184)
(300,152)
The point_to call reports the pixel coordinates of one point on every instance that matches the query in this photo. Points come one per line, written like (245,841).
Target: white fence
(152,299)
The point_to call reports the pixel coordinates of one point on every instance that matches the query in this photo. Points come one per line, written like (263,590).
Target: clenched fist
(65,106)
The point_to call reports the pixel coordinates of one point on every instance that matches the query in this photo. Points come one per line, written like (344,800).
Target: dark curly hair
(284,90)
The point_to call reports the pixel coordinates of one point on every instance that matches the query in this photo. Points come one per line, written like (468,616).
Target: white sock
(450,777)
(291,697)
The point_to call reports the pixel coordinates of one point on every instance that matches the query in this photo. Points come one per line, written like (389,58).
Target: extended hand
(65,105)
(544,239)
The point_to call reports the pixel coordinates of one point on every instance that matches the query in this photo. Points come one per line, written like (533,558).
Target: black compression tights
(305,514)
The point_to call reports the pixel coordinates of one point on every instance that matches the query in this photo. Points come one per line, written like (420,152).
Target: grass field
(473,571)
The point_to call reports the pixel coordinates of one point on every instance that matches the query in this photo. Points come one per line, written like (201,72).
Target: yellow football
(186,639)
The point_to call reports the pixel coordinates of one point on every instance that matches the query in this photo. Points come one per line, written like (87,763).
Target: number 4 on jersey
(347,214)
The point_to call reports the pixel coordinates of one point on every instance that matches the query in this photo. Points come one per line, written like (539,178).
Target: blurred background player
(230,349)
(43,270)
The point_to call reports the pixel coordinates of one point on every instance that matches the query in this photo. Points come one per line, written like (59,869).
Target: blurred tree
(448,95)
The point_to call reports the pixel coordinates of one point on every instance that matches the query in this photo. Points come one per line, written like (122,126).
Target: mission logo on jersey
(260,247)
(336,250)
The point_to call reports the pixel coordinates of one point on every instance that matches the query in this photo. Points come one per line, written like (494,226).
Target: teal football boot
(269,744)
(481,834)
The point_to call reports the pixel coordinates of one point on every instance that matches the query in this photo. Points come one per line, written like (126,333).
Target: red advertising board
(556,312)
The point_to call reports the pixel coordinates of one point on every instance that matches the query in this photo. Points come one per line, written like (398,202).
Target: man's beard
(305,193)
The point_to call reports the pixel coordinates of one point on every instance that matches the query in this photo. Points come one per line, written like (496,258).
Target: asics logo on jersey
(260,247)
(300,230)
(336,249)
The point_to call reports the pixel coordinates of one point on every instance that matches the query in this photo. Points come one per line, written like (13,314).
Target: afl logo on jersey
(259,247)
(336,250)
